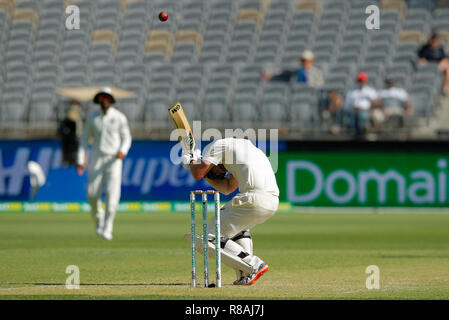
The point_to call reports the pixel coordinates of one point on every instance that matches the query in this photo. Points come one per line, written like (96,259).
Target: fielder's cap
(307,55)
(104,91)
(362,76)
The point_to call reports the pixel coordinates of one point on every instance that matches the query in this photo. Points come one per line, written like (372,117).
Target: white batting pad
(227,258)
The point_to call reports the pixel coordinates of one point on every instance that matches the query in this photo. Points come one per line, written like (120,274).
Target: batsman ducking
(227,165)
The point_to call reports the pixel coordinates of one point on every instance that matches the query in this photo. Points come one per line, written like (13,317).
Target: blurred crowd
(365,108)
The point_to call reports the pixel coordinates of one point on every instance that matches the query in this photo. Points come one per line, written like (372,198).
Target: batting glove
(196,157)
(188,157)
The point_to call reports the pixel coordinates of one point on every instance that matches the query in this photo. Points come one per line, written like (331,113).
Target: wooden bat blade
(181,123)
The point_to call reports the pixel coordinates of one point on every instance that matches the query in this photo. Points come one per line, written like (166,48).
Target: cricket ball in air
(163,16)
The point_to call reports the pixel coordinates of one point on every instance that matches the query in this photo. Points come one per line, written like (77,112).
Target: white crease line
(29,287)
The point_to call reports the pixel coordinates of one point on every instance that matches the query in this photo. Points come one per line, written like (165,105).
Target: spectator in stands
(330,111)
(307,73)
(433,52)
(394,103)
(357,105)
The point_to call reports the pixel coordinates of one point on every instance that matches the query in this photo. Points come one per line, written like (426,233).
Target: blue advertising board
(148,173)
(14,156)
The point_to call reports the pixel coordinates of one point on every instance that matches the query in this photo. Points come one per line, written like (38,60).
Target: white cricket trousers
(243,212)
(105,173)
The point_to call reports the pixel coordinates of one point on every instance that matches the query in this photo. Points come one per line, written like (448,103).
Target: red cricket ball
(163,16)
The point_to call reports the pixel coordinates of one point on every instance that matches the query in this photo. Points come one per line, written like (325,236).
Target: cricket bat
(182,124)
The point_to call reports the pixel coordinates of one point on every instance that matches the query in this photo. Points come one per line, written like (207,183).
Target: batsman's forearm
(220,185)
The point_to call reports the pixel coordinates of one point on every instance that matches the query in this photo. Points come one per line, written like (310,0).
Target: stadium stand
(210,55)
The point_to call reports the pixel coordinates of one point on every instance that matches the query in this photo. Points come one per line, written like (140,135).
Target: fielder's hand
(188,157)
(120,155)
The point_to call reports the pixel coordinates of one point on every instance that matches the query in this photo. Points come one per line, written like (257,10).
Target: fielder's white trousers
(105,173)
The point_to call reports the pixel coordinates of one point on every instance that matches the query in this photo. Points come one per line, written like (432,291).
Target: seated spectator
(330,111)
(307,73)
(394,103)
(433,52)
(357,105)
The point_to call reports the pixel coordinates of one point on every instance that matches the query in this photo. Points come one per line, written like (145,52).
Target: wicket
(204,194)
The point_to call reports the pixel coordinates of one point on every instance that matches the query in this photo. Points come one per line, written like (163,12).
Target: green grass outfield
(311,256)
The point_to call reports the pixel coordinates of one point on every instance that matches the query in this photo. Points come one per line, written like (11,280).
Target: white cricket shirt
(360,98)
(110,134)
(394,93)
(248,164)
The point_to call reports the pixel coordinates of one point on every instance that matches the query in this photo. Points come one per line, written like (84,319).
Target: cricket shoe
(98,229)
(240,275)
(249,280)
(241,281)
(106,235)
(240,278)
